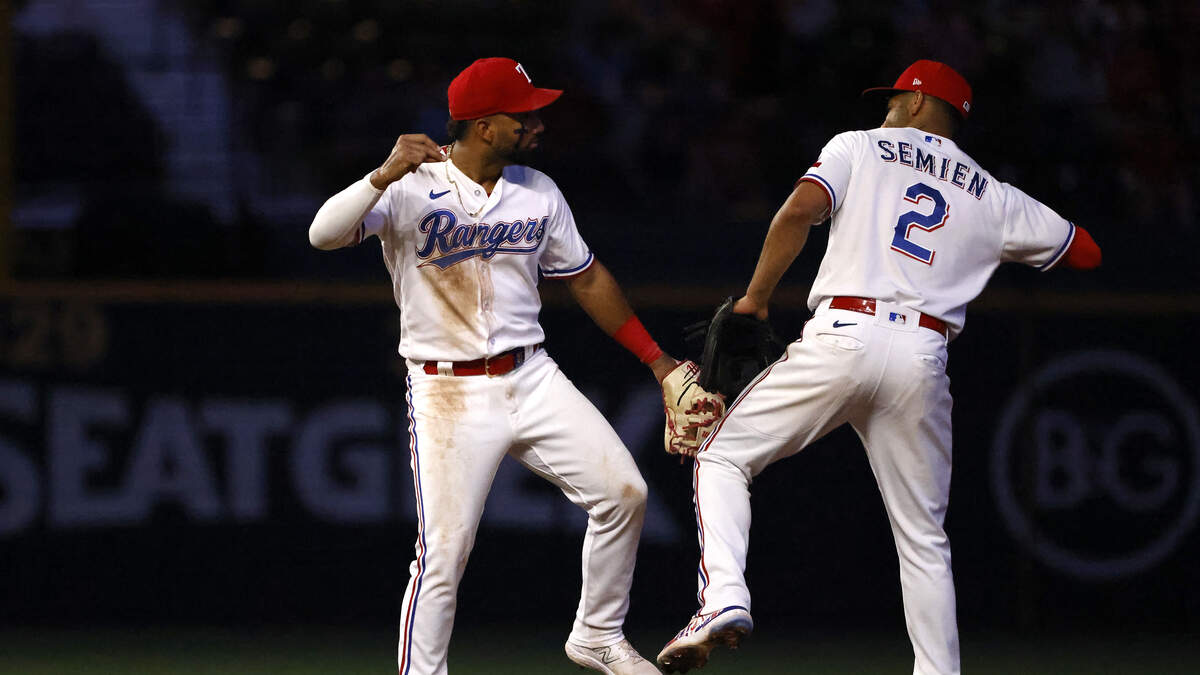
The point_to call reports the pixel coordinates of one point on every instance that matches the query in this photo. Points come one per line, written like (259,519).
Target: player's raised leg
(768,423)
(453,462)
(563,438)
(722,502)
(909,447)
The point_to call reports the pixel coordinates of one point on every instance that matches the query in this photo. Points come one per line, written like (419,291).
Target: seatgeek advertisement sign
(240,436)
(114,415)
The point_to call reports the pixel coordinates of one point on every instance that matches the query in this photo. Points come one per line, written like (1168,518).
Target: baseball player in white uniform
(918,227)
(466,230)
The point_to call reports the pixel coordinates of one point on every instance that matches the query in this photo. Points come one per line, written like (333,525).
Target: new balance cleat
(691,646)
(619,658)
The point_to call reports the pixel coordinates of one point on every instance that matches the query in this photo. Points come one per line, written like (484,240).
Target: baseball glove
(692,412)
(737,347)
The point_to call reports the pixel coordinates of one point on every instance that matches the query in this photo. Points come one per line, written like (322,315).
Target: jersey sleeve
(831,171)
(1033,233)
(340,220)
(376,220)
(565,254)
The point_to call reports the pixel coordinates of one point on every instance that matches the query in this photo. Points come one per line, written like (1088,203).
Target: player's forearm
(806,206)
(338,220)
(599,295)
(783,243)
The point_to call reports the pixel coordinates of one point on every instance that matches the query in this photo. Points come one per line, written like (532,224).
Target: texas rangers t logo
(449,243)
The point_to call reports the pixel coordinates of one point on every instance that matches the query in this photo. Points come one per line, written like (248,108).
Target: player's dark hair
(457,129)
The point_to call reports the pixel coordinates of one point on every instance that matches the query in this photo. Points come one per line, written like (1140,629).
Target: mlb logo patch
(897,317)
(933,139)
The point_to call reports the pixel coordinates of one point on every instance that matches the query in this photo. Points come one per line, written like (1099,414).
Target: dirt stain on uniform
(442,454)
(445,402)
(456,292)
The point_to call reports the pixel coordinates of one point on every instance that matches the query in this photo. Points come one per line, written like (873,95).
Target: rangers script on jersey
(465,273)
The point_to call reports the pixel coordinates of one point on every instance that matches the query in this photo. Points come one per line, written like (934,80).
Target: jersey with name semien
(917,222)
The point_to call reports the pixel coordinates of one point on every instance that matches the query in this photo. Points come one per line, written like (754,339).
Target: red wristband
(633,336)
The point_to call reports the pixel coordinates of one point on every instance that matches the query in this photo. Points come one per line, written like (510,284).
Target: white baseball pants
(460,430)
(886,376)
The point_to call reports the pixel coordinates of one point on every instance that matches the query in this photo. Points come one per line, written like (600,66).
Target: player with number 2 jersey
(914,194)
(918,227)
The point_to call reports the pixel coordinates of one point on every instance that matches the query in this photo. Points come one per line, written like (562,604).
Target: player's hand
(745,305)
(662,366)
(410,151)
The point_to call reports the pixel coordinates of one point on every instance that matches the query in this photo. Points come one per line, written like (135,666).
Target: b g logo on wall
(1096,464)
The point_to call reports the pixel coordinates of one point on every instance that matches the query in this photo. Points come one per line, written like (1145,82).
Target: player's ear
(915,103)
(484,129)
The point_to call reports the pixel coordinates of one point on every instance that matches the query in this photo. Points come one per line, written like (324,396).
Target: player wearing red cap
(466,230)
(917,229)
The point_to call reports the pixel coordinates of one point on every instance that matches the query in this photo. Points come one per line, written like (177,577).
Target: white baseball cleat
(619,658)
(691,646)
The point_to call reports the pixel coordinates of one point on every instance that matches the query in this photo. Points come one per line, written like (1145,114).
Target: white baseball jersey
(926,226)
(918,227)
(464,267)
(464,264)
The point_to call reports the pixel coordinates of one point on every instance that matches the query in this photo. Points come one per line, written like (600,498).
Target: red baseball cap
(935,79)
(495,85)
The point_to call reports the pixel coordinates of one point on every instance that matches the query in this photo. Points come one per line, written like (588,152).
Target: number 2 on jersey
(927,222)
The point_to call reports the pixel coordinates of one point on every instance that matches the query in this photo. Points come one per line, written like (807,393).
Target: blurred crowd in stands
(683,127)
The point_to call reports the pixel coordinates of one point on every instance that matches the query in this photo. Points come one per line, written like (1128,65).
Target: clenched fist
(410,151)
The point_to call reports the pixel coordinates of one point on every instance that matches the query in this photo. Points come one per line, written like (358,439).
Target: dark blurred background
(195,139)
(201,417)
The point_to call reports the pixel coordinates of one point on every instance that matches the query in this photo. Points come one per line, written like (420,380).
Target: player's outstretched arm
(598,293)
(691,411)
(805,207)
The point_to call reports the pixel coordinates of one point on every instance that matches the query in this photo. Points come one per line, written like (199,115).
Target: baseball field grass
(276,651)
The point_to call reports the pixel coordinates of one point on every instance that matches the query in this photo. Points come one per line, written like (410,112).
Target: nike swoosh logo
(435,195)
(839,324)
